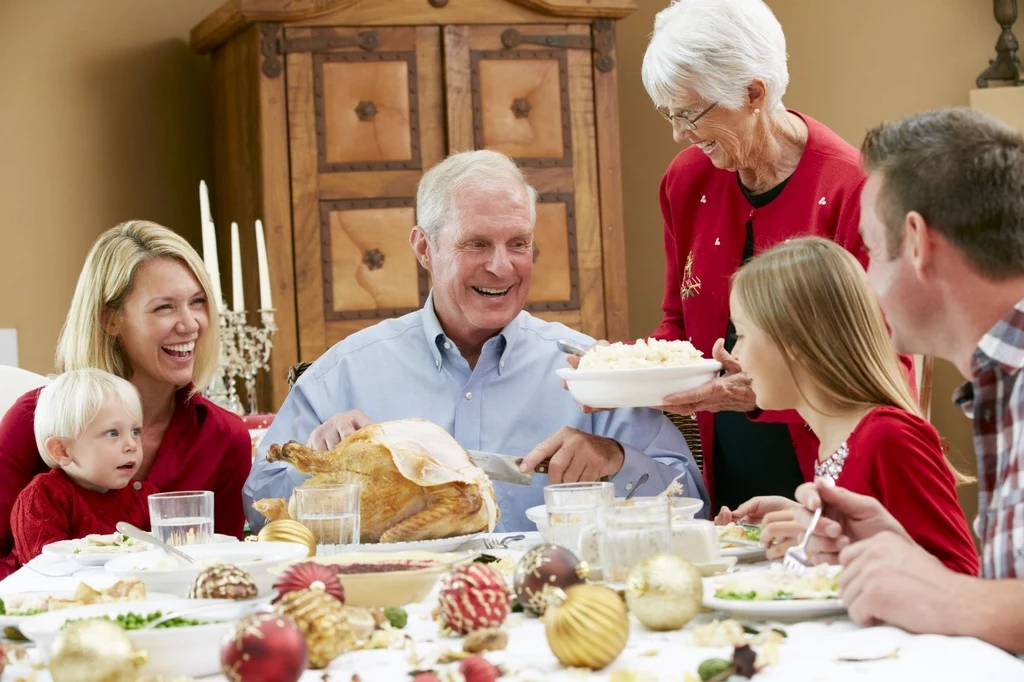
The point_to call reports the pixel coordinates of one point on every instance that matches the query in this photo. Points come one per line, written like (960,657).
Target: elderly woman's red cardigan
(706,214)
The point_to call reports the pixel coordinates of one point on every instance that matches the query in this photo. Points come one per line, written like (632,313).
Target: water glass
(571,507)
(630,531)
(182,518)
(332,513)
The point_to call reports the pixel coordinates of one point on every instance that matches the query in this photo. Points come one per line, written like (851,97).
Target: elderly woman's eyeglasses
(688,123)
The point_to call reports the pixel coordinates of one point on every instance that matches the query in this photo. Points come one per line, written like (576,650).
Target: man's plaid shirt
(994,399)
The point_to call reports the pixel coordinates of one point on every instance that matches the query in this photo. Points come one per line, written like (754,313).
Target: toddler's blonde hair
(72,400)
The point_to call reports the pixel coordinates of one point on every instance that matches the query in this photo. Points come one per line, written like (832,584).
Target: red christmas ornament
(264,647)
(310,576)
(479,669)
(473,597)
(545,567)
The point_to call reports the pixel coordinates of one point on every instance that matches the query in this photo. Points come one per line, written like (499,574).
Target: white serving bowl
(685,508)
(539,515)
(191,651)
(644,387)
(255,558)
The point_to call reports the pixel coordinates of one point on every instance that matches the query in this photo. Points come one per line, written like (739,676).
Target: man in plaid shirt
(942,217)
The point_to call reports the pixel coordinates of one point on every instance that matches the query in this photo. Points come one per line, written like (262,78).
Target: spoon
(142,536)
(570,347)
(246,606)
(639,482)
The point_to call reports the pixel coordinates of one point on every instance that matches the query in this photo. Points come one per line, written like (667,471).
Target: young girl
(88,428)
(811,337)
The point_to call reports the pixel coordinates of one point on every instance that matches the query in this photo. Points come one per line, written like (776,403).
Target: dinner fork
(66,574)
(495,543)
(795,559)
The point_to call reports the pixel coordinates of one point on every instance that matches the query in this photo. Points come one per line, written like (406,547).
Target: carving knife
(505,468)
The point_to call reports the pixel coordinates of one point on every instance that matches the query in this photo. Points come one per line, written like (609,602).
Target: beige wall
(104,118)
(852,63)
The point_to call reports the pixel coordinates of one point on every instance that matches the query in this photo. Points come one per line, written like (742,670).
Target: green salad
(136,621)
(753,533)
(777,584)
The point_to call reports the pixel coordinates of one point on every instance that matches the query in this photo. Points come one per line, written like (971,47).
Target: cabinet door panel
(520,107)
(527,91)
(372,112)
(368,260)
(365,120)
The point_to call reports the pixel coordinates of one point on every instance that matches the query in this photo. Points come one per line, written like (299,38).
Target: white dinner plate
(65,550)
(744,552)
(785,610)
(438,545)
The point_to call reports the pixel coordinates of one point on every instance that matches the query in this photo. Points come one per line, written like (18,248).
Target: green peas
(136,621)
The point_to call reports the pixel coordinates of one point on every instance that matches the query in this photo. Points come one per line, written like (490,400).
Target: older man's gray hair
(715,48)
(483,170)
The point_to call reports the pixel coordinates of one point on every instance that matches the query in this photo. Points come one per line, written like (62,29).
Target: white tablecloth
(808,654)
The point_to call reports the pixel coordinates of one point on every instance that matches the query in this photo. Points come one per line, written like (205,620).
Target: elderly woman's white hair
(481,170)
(715,48)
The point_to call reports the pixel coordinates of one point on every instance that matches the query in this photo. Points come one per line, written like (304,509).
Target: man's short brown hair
(963,171)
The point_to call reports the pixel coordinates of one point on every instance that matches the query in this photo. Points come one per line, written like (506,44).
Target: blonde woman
(811,336)
(142,310)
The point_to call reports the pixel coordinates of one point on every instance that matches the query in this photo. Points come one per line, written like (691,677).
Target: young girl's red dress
(898,459)
(53,507)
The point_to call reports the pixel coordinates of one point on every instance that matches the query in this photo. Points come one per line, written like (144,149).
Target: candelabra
(1006,65)
(244,351)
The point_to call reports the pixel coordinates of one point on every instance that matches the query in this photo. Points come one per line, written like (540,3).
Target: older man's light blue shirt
(510,402)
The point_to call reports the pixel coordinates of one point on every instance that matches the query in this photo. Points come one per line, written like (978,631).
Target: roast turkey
(417,482)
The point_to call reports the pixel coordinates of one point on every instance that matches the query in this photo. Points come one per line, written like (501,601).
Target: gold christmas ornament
(664,591)
(322,620)
(586,625)
(94,650)
(222,581)
(288,530)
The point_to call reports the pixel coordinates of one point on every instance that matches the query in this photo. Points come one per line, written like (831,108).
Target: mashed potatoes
(653,353)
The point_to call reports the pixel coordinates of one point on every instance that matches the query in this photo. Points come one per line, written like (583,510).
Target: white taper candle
(261,261)
(236,271)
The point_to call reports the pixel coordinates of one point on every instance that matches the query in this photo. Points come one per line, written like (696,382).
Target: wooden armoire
(327,112)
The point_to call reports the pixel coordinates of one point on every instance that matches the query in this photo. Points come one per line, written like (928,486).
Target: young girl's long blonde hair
(812,298)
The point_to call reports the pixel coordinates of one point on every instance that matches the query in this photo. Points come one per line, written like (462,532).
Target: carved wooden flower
(373,259)
(520,107)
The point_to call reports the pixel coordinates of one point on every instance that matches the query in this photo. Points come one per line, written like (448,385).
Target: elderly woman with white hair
(754,173)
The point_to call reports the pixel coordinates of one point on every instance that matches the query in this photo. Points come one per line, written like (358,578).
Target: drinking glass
(571,507)
(332,513)
(629,531)
(182,518)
